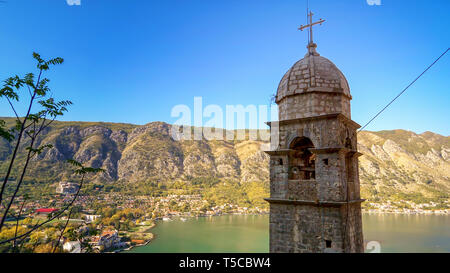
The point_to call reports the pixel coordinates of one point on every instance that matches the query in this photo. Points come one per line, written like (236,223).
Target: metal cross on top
(310,25)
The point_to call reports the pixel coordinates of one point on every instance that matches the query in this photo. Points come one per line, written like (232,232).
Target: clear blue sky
(132,61)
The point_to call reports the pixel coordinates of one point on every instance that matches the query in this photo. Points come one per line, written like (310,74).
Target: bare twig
(62,232)
(14,109)
(16,148)
(50,219)
(19,183)
(17,222)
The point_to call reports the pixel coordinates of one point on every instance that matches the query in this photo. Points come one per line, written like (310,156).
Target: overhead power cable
(401,93)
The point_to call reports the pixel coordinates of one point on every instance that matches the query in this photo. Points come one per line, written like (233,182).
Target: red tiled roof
(109,233)
(46,210)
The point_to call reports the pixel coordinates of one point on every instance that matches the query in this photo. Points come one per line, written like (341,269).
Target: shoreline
(146,242)
(446,213)
(266,213)
(191,216)
(443,213)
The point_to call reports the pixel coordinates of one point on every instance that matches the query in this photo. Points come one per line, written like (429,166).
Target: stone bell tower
(315,203)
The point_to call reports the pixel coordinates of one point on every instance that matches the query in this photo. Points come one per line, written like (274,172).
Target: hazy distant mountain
(396,164)
(400,164)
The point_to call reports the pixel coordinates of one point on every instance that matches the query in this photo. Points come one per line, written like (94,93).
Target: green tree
(31,125)
(80,170)
(27,131)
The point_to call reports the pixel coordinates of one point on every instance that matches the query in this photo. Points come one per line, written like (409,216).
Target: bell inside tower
(301,160)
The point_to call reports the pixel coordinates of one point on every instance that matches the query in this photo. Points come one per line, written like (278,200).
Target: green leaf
(74,163)
(5,133)
(40,149)
(82,169)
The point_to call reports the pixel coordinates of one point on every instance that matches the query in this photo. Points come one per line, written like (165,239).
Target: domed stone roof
(313,73)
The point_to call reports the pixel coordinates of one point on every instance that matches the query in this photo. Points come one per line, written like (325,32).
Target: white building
(91,218)
(67,188)
(72,247)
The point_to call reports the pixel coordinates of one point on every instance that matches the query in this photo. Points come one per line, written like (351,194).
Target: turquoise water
(408,233)
(250,233)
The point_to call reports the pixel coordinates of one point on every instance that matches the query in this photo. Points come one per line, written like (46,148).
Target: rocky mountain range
(396,164)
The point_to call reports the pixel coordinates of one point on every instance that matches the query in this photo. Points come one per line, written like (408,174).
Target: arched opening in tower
(301,160)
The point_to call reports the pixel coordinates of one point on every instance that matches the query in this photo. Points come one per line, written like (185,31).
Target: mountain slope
(396,165)
(400,164)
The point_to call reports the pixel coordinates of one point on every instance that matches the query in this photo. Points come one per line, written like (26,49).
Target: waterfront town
(406,207)
(112,222)
(105,222)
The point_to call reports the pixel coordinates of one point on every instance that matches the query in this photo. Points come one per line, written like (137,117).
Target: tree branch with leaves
(82,171)
(25,135)
(32,124)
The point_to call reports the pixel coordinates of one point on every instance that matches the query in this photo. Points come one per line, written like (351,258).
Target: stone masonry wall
(330,177)
(325,132)
(313,104)
(352,228)
(278,177)
(321,214)
(304,229)
(302,190)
